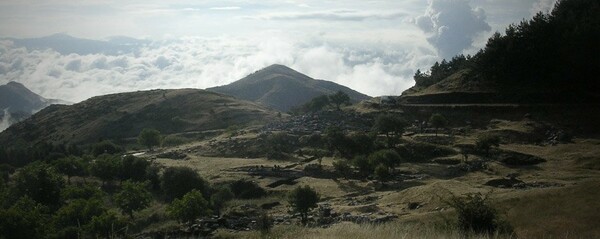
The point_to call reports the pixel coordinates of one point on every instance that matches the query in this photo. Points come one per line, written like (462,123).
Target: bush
(149,138)
(177,181)
(133,168)
(25,219)
(264,223)
(390,125)
(221,197)
(78,212)
(39,182)
(475,214)
(438,121)
(190,207)
(343,168)
(133,197)
(173,140)
(363,164)
(485,142)
(302,200)
(70,166)
(106,147)
(382,173)
(247,189)
(313,169)
(85,191)
(107,225)
(106,167)
(386,157)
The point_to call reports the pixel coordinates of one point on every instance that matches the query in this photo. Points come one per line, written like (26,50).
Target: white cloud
(225,8)
(332,15)
(452,25)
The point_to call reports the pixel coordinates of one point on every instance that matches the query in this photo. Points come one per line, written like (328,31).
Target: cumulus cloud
(544,6)
(452,25)
(207,62)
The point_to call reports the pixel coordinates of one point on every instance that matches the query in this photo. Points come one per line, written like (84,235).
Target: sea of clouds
(205,62)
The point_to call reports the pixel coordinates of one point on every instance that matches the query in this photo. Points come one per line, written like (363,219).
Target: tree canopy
(149,138)
(177,181)
(391,125)
(133,197)
(302,200)
(190,207)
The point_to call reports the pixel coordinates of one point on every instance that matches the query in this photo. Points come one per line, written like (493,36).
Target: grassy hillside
(282,88)
(124,115)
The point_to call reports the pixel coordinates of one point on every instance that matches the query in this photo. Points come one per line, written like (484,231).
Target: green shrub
(134,168)
(133,197)
(106,147)
(107,225)
(387,157)
(475,214)
(70,166)
(85,191)
(342,167)
(25,219)
(363,165)
(302,200)
(247,189)
(177,181)
(78,212)
(106,167)
(173,140)
(190,207)
(40,182)
(149,138)
(485,142)
(382,173)
(221,197)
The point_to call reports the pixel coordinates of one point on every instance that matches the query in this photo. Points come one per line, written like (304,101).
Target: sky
(372,46)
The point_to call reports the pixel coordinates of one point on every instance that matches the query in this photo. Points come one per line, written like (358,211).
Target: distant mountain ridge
(282,88)
(66,44)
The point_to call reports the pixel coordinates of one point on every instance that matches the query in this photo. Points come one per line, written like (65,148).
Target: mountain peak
(280,69)
(15,84)
(282,88)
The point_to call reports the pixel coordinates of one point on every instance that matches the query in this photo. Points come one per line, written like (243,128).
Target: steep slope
(282,88)
(17,103)
(124,115)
